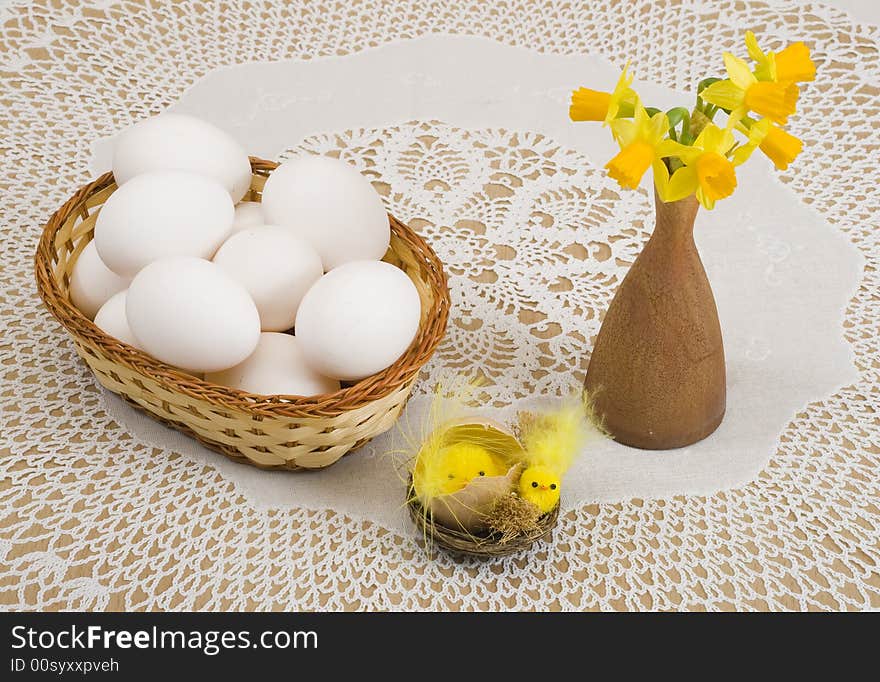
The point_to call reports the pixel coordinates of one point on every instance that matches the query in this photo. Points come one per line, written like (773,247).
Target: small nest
(498,542)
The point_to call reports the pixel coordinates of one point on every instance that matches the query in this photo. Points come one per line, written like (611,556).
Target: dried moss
(512,515)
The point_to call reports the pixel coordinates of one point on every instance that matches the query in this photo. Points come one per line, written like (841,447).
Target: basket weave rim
(360,394)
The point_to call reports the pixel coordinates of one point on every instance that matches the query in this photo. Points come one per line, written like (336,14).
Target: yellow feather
(552,439)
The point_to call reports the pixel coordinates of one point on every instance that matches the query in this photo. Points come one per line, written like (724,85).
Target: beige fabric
(91,518)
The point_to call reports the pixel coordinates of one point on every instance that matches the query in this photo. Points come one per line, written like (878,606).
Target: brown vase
(656,374)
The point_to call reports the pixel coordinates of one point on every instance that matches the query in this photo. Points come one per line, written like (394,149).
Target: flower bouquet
(657,374)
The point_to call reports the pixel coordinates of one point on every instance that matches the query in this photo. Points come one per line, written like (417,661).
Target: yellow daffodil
(781,147)
(743,92)
(758,103)
(639,139)
(595,105)
(792,64)
(708,169)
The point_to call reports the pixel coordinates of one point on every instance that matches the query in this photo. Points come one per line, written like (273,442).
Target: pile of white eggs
(185,271)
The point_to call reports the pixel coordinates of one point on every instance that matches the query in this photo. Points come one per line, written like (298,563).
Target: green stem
(699,120)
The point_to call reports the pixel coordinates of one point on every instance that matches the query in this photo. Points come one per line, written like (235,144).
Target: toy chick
(540,486)
(551,441)
(454,466)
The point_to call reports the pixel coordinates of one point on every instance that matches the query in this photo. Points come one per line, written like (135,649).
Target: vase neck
(675,220)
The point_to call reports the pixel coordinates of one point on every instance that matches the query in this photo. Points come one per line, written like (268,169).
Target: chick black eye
(552,486)
(482,473)
(534,484)
(451,476)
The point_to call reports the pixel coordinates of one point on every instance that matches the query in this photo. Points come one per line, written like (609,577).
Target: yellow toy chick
(551,442)
(454,467)
(540,486)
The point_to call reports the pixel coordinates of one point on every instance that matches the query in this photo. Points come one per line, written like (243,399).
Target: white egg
(276,367)
(112,320)
(92,283)
(275,266)
(189,313)
(180,142)
(358,319)
(247,214)
(331,205)
(162,214)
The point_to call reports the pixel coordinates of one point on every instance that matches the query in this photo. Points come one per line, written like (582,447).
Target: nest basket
(271,432)
(488,545)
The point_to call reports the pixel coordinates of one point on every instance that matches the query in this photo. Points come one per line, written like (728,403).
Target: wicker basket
(486,546)
(274,432)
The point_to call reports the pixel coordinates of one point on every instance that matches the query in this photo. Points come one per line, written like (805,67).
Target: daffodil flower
(791,64)
(708,169)
(639,139)
(781,147)
(595,105)
(758,103)
(743,92)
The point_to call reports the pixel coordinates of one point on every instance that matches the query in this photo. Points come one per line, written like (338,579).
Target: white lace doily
(98,518)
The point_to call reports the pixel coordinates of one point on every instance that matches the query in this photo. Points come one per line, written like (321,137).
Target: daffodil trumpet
(687,151)
(595,105)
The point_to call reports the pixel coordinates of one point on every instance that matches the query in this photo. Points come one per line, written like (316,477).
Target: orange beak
(543,487)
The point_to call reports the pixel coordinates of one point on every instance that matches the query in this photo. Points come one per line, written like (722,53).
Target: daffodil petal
(685,152)
(724,94)
(735,116)
(622,94)
(741,154)
(625,79)
(759,130)
(766,70)
(683,183)
(755,52)
(661,179)
(658,127)
(641,117)
(738,70)
(715,139)
(705,201)
(624,131)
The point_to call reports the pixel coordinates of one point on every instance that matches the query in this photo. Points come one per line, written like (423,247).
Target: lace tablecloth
(99,512)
